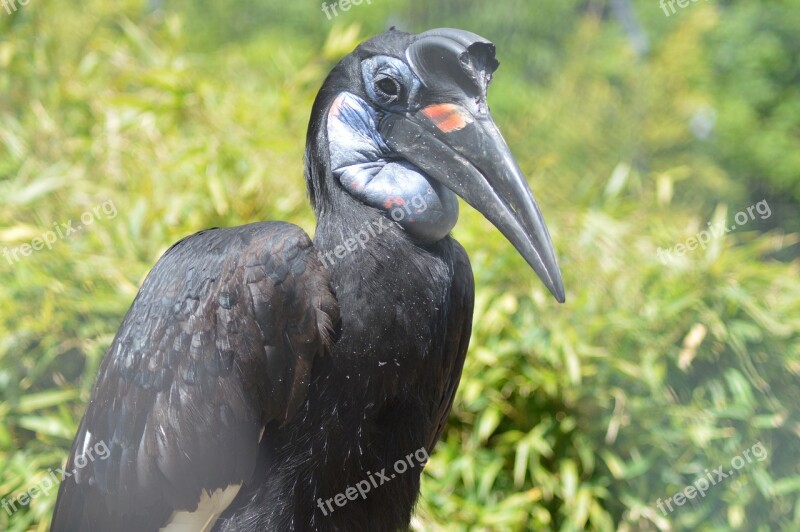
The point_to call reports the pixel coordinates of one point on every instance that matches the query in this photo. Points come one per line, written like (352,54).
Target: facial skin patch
(369,171)
(447,117)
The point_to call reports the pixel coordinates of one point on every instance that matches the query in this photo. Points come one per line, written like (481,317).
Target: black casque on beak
(452,138)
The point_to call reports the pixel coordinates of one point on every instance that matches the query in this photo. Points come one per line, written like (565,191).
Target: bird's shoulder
(228,295)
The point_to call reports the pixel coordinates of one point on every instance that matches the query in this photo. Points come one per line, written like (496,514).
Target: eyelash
(395,85)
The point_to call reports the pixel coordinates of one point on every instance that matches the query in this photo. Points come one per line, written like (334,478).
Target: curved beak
(465,152)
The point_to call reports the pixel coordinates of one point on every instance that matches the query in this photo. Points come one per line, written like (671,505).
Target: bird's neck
(391,291)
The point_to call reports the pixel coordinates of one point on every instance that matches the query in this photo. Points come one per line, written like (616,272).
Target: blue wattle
(369,171)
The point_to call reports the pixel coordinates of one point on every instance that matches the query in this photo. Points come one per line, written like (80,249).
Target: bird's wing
(218,343)
(459,328)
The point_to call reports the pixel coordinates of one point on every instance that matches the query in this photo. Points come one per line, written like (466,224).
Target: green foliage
(576,416)
(759,101)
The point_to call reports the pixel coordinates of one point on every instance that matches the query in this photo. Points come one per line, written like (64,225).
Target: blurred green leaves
(192,115)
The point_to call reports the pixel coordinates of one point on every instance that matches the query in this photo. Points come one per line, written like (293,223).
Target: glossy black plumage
(347,362)
(219,341)
(385,390)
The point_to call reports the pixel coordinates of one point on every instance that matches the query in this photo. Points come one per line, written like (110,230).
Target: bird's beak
(465,152)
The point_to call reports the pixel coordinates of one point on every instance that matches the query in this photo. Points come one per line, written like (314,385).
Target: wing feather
(218,342)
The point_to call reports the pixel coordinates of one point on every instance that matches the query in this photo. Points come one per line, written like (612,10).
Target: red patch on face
(447,116)
(393,202)
(336,106)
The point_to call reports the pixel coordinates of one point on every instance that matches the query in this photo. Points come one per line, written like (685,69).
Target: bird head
(402,125)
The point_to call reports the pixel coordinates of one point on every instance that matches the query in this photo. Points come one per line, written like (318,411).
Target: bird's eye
(387,88)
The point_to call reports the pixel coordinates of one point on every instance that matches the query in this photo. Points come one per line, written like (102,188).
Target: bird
(265,380)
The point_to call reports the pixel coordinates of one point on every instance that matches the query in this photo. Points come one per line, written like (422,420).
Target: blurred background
(640,127)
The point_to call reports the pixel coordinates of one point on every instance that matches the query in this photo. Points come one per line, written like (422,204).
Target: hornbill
(260,374)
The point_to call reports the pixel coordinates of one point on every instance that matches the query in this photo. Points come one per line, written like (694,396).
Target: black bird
(259,376)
